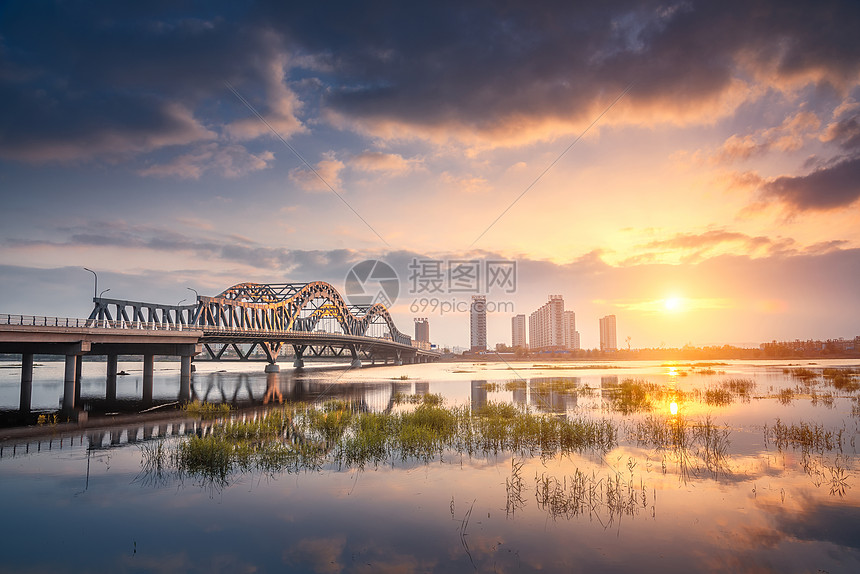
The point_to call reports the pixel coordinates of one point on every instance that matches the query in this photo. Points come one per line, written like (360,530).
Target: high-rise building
(546,325)
(607,334)
(422,330)
(478,323)
(518,331)
(571,339)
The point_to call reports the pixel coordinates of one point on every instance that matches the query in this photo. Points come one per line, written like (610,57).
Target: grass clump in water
(843,379)
(808,437)
(740,387)
(692,444)
(718,397)
(801,373)
(206,410)
(633,395)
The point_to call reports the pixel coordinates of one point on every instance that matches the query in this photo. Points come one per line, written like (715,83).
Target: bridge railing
(39,321)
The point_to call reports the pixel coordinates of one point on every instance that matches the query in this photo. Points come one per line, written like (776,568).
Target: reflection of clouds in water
(817,520)
(324,554)
(328,556)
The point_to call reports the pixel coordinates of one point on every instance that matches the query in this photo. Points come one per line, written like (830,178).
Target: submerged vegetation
(421,428)
(692,445)
(336,433)
(807,437)
(206,410)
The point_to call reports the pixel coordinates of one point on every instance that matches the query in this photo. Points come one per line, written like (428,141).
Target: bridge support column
(148,369)
(272,368)
(110,383)
(79,366)
(26,382)
(397,360)
(356,362)
(299,350)
(185,378)
(69,383)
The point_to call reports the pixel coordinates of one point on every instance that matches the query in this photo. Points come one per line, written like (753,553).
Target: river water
(772,487)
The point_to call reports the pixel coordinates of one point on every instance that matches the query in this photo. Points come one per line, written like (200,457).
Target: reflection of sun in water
(673,408)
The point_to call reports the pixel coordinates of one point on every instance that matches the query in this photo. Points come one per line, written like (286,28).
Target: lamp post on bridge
(96,286)
(103,292)
(196,294)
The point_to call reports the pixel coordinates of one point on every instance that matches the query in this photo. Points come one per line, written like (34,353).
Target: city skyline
(691,168)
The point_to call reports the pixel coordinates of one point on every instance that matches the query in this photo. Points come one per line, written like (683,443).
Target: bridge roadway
(74,338)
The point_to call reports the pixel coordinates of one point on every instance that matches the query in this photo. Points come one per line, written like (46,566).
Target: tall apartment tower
(478,323)
(571,337)
(546,325)
(607,334)
(518,331)
(422,330)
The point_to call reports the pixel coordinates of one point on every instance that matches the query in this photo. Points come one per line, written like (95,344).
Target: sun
(672,304)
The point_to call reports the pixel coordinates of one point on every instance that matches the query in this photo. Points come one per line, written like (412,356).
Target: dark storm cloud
(132,77)
(103,79)
(829,187)
(480,64)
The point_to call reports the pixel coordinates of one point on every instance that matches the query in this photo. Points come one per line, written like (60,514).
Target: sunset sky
(712,197)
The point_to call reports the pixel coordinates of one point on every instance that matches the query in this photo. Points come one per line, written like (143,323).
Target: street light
(96,287)
(196,294)
(103,292)
(181,302)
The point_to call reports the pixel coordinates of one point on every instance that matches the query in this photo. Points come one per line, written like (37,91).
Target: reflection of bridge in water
(246,321)
(237,391)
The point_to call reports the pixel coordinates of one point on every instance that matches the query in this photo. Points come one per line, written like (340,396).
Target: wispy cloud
(229,161)
(327,175)
(385,163)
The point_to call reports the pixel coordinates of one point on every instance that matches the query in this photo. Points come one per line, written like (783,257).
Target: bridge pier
(26,382)
(356,362)
(110,383)
(272,368)
(79,366)
(69,384)
(299,350)
(397,360)
(148,369)
(185,378)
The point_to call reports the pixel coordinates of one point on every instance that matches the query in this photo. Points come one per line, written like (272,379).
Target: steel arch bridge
(312,317)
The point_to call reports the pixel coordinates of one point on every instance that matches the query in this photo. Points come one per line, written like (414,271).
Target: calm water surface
(734,500)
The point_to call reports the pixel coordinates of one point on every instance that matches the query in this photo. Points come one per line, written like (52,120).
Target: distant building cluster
(551,328)
(810,347)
